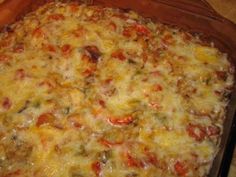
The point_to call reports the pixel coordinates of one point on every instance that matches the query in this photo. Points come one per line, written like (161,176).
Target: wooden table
(227,8)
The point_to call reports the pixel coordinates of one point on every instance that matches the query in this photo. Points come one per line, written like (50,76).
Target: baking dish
(193,16)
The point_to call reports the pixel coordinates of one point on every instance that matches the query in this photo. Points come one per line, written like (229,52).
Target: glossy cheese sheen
(88,91)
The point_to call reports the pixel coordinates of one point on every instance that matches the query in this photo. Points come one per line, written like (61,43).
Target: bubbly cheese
(88,91)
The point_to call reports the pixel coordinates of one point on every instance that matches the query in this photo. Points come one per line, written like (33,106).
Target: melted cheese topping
(88,91)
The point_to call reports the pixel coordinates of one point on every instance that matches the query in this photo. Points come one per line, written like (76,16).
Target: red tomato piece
(13,174)
(112,26)
(4,58)
(133,162)
(56,17)
(102,103)
(197,132)
(96,167)
(6,103)
(187,37)
(74,7)
(156,73)
(50,48)
(38,33)
(66,50)
(76,125)
(158,87)
(79,32)
(121,121)
(221,75)
(180,168)
(213,130)
(6,42)
(20,74)
(89,71)
(127,32)
(108,81)
(168,40)
(152,158)
(118,55)
(19,48)
(45,118)
(142,30)
(109,144)
(74,122)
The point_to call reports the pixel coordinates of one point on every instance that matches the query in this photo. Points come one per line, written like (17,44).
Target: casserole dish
(194,17)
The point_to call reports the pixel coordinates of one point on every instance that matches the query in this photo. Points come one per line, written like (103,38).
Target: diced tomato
(152,158)
(6,103)
(180,168)
(20,74)
(133,162)
(137,28)
(77,125)
(74,7)
(66,50)
(127,32)
(118,55)
(213,130)
(158,87)
(19,48)
(218,93)
(109,144)
(144,57)
(187,37)
(221,75)
(197,132)
(50,48)
(74,122)
(167,40)
(79,32)
(156,73)
(112,26)
(102,103)
(45,118)
(145,79)
(121,121)
(13,174)
(56,17)
(38,33)
(142,30)
(5,43)
(89,71)
(108,81)
(96,167)
(4,58)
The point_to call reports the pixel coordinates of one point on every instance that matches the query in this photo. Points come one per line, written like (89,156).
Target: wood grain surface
(227,8)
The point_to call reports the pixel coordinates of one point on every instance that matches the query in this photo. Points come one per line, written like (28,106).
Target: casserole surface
(109,94)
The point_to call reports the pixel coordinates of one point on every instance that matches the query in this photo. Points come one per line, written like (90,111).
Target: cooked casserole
(91,91)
